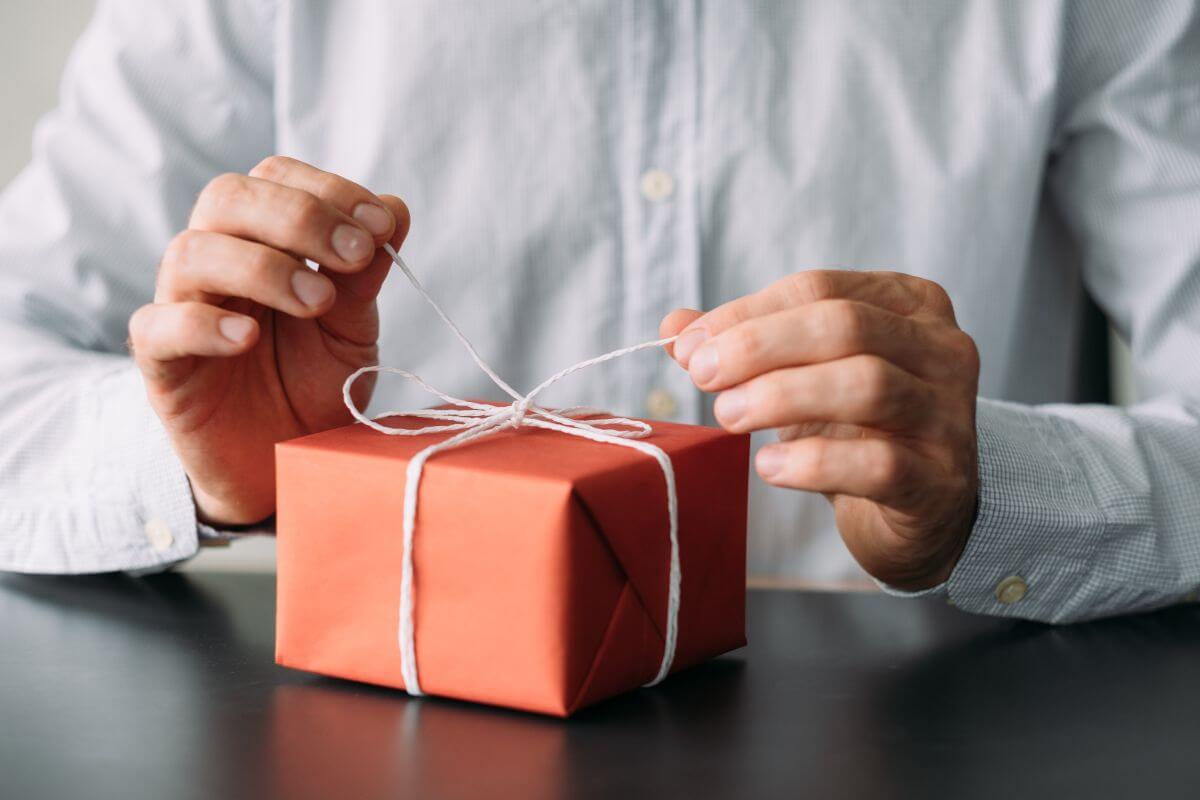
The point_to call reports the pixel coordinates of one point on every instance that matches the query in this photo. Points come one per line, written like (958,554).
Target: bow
(470,421)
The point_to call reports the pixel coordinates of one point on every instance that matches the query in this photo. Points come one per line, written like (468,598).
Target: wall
(35,38)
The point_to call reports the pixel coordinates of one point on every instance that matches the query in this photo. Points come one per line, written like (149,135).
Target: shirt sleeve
(156,99)
(1087,511)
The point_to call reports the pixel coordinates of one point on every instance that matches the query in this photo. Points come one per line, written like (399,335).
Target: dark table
(164,687)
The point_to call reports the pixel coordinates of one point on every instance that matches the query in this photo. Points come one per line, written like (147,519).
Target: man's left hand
(871,385)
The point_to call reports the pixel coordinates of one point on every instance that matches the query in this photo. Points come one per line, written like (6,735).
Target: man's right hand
(244,345)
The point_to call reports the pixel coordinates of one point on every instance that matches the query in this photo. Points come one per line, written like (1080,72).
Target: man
(574,174)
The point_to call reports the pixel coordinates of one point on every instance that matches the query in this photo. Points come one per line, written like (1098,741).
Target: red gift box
(541,560)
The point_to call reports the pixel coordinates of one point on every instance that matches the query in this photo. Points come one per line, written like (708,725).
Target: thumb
(353,315)
(400,212)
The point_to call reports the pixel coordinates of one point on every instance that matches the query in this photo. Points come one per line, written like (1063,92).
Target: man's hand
(244,345)
(872,386)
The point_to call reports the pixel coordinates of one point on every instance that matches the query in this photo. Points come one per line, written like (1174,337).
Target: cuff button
(1011,589)
(159,534)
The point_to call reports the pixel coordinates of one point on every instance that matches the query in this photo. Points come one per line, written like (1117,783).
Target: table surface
(113,686)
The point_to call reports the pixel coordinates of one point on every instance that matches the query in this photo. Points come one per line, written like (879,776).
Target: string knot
(519,409)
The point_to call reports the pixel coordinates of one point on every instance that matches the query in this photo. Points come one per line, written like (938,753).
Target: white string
(472,421)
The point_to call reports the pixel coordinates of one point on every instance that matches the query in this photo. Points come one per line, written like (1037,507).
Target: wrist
(936,568)
(229,515)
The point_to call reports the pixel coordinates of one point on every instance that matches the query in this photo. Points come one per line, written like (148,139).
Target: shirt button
(661,404)
(1011,589)
(159,535)
(656,185)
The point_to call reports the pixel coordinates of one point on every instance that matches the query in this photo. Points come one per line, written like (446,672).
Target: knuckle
(903,283)
(936,299)
(225,185)
(180,249)
(329,185)
(904,288)
(936,294)
(260,264)
(221,191)
(966,352)
(139,324)
(175,259)
(887,466)
(875,388)
(873,376)
(767,396)
(809,286)
(845,322)
(809,468)
(272,168)
(823,321)
(744,345)
(190,317)
(304,212)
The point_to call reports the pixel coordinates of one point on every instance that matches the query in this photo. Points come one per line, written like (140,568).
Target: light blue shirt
(575,171)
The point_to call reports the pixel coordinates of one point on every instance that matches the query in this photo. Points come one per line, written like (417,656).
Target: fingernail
(352,243)
(730,406)
(769,461)
(687,342)
(310,288)
(703,364)
(374,218)
(235,329)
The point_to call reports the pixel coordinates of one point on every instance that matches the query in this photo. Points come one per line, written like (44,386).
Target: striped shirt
(575,171)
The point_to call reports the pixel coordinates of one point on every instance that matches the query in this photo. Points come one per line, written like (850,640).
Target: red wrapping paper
(541,560)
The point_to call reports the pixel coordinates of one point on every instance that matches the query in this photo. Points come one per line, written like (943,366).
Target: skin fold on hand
(243,341)
(871,386)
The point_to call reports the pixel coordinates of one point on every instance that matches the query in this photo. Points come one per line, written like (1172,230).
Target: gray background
(35,40)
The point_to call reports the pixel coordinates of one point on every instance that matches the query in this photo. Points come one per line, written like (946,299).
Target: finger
(880,470)
(861,390)
(822,331)
(285,219)
(343,194)
(354,316)
(364,286)
(163,333)
(208,267)
(899,293)
(674,322)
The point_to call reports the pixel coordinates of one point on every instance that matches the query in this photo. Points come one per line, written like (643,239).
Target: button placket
(661,404)
(656,185)
(660,265)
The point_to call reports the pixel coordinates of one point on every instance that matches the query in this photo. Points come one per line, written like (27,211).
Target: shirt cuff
(1031,547)
(111,496)
(157,527)
(940,590)
(210,536)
